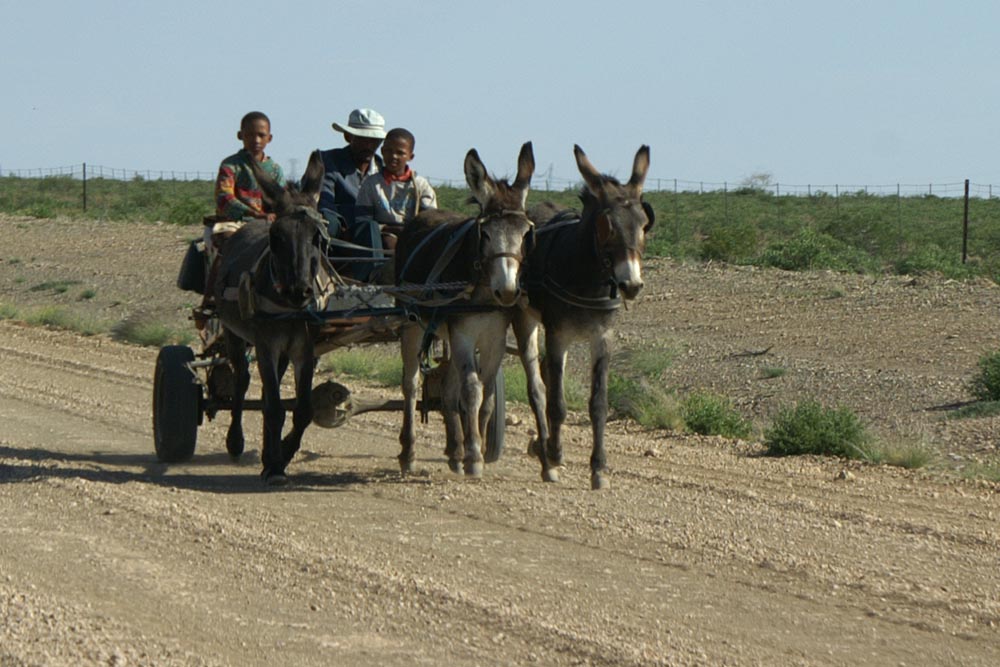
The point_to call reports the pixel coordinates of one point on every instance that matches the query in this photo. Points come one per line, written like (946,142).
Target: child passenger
(397,194)
(391,198)
(237,193)
(238,197)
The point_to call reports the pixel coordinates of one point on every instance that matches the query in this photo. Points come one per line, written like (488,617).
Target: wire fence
(550,183)
(959,221)
(84,171)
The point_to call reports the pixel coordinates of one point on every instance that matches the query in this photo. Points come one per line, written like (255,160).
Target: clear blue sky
(845,92)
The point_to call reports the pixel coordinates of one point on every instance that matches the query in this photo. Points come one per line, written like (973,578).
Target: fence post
(725,202)
(84,186)
(965,225)
(677,217)
(899,218)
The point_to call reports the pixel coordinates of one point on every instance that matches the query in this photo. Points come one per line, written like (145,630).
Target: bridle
(481,259)
(454,244)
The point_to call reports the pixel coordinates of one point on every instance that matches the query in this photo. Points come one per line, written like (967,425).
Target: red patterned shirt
(237,193)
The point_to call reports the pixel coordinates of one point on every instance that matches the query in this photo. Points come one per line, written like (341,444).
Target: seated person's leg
(335,223)
(366,232)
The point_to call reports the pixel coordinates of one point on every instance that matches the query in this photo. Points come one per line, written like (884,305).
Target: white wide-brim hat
(364,123)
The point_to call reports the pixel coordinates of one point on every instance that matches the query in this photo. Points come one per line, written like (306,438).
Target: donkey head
(295,237)
(504,229)
(621,219)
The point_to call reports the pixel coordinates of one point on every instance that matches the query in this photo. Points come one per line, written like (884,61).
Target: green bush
(642,400)
(382,365)
(709,414)
(140,331)
(985,384)
(932,258)
(731,243)
(810,250)
(188,212)
(810,428)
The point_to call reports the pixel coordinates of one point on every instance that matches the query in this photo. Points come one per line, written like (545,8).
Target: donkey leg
(470,398)
(454,420)
(555,362)
(236,351)
(273,415)
(490,358)
(526,333)
(600,358)
(302,415)
(410,339)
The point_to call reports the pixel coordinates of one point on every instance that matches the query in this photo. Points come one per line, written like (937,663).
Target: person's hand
(271,217)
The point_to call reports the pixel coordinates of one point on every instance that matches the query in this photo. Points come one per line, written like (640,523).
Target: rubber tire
(176,405)
(498,422)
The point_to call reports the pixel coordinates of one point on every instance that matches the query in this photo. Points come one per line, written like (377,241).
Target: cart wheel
(498,422)
(176,405)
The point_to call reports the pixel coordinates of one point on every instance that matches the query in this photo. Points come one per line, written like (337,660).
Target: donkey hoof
(474,469)
(455,466)
(235,447)
(275,477)
(550,475)
(406,467)
(599,481)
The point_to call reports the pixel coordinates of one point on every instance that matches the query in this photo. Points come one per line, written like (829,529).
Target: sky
(821,93)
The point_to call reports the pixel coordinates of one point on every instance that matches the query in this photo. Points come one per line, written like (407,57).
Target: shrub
(708,414)
(814,250)
(985,384)
(371,363)
(643,401)
(932,259)
(60,318)
(188,212)
(731,243)
(810,428)
(138,331)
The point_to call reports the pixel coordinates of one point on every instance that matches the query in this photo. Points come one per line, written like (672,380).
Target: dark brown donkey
(270,270)
(576,276)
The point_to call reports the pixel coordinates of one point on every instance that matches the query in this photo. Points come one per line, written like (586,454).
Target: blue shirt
(342,181)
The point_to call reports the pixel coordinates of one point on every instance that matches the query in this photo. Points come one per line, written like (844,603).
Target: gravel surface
(703,552)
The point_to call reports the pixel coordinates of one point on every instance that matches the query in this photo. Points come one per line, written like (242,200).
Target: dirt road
(702,552)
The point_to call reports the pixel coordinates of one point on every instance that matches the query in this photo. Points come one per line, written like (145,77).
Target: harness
(252,302)
(431,284)
(600,303)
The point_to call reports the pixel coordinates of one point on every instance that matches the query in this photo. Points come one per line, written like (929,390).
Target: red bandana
(405,176)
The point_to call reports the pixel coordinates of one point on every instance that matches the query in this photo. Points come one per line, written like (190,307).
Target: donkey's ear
(639,168)
(525,168)
(312,180)
(479,181)
(274,196)
(590,175)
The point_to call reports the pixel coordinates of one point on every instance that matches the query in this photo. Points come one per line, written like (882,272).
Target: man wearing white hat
(345,168)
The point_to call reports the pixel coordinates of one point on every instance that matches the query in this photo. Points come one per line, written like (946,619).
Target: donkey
(580,269)
(487,252)
(279,268)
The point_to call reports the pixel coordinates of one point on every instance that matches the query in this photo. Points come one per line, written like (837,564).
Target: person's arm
(428,198)
(367,193)
(227,205)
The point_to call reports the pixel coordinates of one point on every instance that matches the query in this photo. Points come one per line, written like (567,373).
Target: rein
(605,303)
